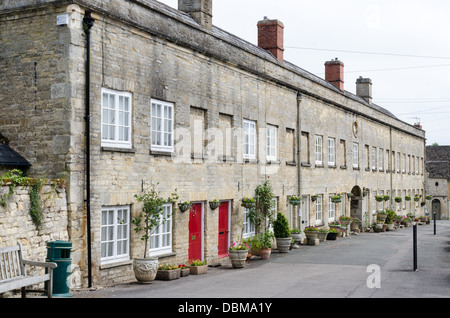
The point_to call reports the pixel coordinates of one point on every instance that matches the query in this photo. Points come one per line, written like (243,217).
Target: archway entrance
(436,207)
(356,203)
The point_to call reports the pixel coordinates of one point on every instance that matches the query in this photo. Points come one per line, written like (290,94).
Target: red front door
(195,232)
(223,229)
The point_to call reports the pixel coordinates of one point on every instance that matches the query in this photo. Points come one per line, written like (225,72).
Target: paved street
(334,269)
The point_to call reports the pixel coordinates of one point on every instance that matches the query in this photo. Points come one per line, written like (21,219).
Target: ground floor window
(161,236)
(249,226)
(115,234)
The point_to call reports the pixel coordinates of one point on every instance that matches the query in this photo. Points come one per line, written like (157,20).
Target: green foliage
(152,213)
(35,204)
(262,213)
(281,226)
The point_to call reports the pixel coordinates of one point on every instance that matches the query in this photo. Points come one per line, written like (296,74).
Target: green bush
(281,226)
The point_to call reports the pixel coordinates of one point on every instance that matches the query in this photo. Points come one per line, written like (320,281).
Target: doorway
(196,226)
(356,203)
(224,228)
(436,207)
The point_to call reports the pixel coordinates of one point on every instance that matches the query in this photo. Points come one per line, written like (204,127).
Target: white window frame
(355,155)
(162,126)
(319,209)
(380,159)
(116,121)
(331,209)
(249,129)
(318,142)
(248,225)
(160,241)
(114,231)
(373,157)
(331,152)
(272,145)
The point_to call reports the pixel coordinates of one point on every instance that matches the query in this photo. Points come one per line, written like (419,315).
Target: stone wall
(16,224)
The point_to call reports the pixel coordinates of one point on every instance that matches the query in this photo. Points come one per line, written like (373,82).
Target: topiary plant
(281,226)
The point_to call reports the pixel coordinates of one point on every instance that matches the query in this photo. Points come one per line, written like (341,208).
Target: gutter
(88,23)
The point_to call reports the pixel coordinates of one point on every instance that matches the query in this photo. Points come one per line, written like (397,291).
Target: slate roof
(437,162)
(9,157)
(256,50)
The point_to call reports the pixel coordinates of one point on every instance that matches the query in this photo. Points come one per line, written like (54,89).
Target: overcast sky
(403,46)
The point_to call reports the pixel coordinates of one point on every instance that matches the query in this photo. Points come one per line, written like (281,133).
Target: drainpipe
(88,23)
(299,147)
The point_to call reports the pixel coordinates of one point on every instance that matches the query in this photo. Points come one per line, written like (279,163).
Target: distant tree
(435,144)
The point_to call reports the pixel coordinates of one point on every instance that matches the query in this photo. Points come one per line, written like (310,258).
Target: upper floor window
(249,139)
(116,118)
(318,149)
(162,114)
(271,142)
(331,152)
(355,155)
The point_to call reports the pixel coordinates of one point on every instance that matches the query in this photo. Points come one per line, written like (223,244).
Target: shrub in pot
(282,233)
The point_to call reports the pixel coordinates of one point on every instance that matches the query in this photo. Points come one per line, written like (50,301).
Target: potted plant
(408,198)
(386,198)
(214,204)
(294,200)
(355,224)
(332,234)
(168,272)
(282,233)
(238,253)
(398,199)
(381,215)
(248,203)
(336,198)
(416,198)
(335,225)
(379,198)
(314,197)
(323,232)
(265,244)
(184,271)
(345,220)
(151,215)
(184,206)
(296,236)
(312,233)
(198,267)
(429,197)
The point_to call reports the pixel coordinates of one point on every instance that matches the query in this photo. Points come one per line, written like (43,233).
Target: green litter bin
(59,253)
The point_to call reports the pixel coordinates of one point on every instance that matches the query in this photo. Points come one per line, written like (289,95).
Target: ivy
(35,203)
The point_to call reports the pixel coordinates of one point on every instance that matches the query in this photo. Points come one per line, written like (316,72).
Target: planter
(355,226)
(184,206)
(283,244)
(345,222)
(378,227)
(168,274)
(332,236)
(214,204)
(390,226)
(198,270)
(322,236)
(382,216)
(265,253)
(313,237)
(255,251)
(145,269)
(297,237)
(294,202)
(184,272)
(238,258)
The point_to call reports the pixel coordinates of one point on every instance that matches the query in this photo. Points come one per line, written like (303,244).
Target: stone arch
(356,203)
(436,206)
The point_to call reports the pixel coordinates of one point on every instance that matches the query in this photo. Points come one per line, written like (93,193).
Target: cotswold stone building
(115,96)
(437,179)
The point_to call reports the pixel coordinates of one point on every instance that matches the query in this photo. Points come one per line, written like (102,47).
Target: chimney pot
(270,37)
(334,73)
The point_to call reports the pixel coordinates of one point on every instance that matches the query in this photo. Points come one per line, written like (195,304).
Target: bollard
(415,246)
(434,221)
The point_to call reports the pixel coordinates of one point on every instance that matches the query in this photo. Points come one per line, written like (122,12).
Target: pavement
(368,265)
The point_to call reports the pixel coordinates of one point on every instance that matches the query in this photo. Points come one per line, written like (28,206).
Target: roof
(9,157)
(437,161)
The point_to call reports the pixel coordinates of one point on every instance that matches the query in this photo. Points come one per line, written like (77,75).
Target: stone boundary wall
(16,224)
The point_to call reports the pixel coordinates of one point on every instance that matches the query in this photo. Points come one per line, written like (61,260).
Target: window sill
(113,264)
(162,153)
(117,149)
(272,162)
(306,164)
(291,163)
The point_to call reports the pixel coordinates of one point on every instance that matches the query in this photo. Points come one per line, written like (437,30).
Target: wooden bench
(13,274)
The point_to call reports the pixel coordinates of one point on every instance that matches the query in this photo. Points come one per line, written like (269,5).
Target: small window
(331,152)
(318,149)
(116,119)
(355,155)
(115,234)
(271,142)
(162,114)
(248,226)
(161,236)
(249,139)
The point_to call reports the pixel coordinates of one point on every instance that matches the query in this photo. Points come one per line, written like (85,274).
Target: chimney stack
(334,73)
(199,10)
(270,37)
(364,89)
